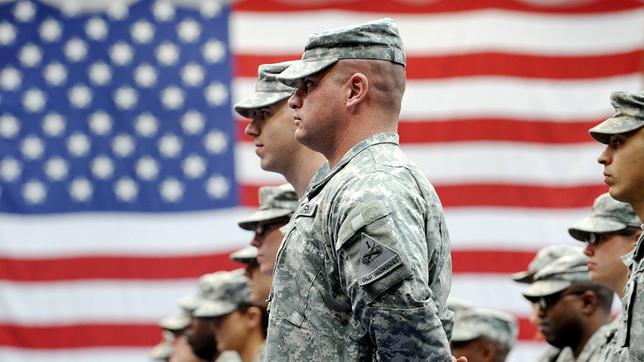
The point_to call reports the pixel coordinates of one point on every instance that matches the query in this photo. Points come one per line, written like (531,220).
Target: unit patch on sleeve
(376,260)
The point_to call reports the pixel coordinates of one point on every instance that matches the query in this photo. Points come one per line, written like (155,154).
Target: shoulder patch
(376,260)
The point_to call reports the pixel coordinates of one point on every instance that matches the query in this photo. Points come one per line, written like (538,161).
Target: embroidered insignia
(376,260)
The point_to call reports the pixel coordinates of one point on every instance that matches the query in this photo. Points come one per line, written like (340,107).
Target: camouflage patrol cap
(608,215)
(275,202)
(472,323)
(245,255)
(206,283)
(176,322)
(230,292)
(163,350)
(268,90)
(559,275)
(544,257)
(378,40)
(629,116)
(457,305)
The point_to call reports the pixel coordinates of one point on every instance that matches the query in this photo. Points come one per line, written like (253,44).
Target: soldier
(623,161)
(544,257)
(163,350)
(483,335)
(364,270)
(276,206)
(572,310)
(271,126)
(259,283)
(238,325)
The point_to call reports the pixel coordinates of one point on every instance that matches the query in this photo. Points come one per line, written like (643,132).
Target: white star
(215,142)
(167,53)
(9,126)
(192,122)
(163,10)
(210,9)
(96,28)
(172,97)
(117,10)
(126,189)
(193,166)
(142,32)
(71,8)
(50,30)
(10,169)
(10,78)
(34,100)
(30,55)
(147,168)
(126,97)
(34,192)
(53,124)
(100,73)
(171,190)
(192,74)
(213,51)
(32,147)
(78,144)
(81,190)
(75,50)
(56,168)
(24,11)
(123,145)
(217,187)
(121,53)
(55,74)
(189,30)
(145,75)
(7,33)
(80,96)
(100,123)
(146,125)
(169,146)
(216,94)
(102,167)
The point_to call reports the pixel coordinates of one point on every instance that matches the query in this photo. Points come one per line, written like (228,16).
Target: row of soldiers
(351,260)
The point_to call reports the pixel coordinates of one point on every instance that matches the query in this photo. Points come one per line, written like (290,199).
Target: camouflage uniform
(544,257)
(608,215)
(471,323)
(629,116)
(275,203)
(268,90)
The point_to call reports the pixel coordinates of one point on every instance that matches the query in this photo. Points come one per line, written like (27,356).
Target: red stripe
(441,6)
(483,129)
(113,267)
(490,261)
(489,64)
(117,335)
(499,195)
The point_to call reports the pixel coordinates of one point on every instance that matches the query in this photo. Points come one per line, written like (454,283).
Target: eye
(616,142)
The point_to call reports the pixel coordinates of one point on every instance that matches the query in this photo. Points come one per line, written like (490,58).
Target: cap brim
(175,322)
(161,351)
(300,69)
(463,334)
(248,105)
(210,309)
(250,223)
(612,126)
(542,288)
(591,224)
(522,277)
(190,302)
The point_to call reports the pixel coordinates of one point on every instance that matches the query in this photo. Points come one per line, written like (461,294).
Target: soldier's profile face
(267,241)
(623,160)
(605,265)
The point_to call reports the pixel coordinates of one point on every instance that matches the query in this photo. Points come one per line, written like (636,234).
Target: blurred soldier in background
(544,257)
(271,126)
(163,350)
(483,335)
(572,310)
(623,161)
(259,283)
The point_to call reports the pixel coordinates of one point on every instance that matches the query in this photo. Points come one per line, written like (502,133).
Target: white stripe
(527,351)
(475,162)
(122,234)
(481,96)
(75,355)
(462,32)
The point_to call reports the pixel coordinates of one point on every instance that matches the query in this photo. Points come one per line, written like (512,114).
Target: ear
(358,88)
(589,300)
(253,317)
(488,351)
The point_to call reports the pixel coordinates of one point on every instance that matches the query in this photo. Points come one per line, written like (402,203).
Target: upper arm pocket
(359,217)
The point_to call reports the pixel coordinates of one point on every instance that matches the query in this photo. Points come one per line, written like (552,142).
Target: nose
(588,250)
(252,129)
(295,101)
(605,158)
(257,240)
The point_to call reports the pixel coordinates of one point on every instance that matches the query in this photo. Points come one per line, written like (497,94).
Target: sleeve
(383,259)
(636,317)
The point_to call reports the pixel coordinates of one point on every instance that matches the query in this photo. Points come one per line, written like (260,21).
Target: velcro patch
(306,210)
(376,260)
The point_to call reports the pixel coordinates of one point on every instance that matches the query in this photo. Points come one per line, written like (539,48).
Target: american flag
(123,170)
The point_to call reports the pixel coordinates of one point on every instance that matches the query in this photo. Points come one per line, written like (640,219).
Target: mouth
(591,266)
(607,179)
(258,148)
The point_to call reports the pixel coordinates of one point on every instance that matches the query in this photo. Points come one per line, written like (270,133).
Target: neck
(250,351)
(302,170)
(638,206)
(357,131)
(619,286)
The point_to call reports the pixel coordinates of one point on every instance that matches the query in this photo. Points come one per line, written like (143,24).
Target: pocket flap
(358,218)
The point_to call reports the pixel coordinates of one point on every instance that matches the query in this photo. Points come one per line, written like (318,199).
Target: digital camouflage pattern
(544,257)
(268,90)
(229,292)
(608,349)
(594,350)
(275,202)
(206,283)
(176,322)
(559,275)
(629,116)
(472,323)
(365,269)
(163,350)
(378,40)
(608,215)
